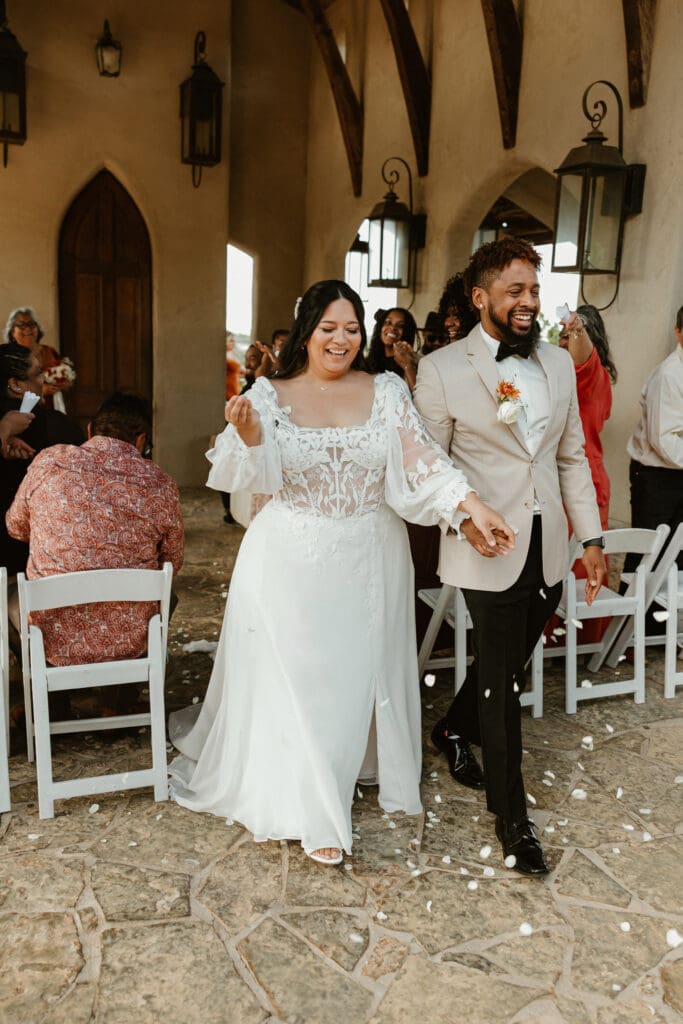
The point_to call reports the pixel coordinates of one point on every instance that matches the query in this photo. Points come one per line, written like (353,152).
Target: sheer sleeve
(422,484)
(235,466)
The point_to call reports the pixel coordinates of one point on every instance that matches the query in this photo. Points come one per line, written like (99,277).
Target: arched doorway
(105,295)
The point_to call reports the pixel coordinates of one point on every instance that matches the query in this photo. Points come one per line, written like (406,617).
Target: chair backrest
(638,541)
(655,581)
(94,586)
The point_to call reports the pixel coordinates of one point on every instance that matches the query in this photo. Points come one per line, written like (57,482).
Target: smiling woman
(318,643)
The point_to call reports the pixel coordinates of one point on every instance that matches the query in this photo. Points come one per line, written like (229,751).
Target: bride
(316,670)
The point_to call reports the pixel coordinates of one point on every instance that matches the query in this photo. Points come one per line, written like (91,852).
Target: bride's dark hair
(293,355)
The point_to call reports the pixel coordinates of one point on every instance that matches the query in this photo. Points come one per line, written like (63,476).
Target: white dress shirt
(658,438)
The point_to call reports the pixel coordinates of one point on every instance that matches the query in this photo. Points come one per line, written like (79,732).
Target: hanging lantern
(395,234)
(201,105)
(12,88)
(596,190)
(108,52)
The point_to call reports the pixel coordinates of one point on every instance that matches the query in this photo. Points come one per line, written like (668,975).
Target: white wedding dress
(319,631)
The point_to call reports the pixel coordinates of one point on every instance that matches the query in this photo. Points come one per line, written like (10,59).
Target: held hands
(15,422)
(240,412)
(596,570)
(485,530)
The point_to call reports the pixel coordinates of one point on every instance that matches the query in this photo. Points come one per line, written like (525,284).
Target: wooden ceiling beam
(504,35)
(415,78)
(349,109)
(639,23)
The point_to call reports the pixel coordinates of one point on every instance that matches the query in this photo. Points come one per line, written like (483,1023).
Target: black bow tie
(523,349)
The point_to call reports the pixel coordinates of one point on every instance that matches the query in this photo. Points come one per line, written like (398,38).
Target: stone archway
(105,295)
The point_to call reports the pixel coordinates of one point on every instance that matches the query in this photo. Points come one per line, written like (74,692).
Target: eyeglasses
(25,325)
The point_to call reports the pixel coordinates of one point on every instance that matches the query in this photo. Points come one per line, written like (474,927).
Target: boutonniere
(509,402)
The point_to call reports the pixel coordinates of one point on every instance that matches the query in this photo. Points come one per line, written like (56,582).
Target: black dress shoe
(519,840)
(462,763)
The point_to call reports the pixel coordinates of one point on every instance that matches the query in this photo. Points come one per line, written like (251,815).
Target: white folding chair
(449,606)
(79,588)
(4,702)
(575,609)
(672,600)
(655,584)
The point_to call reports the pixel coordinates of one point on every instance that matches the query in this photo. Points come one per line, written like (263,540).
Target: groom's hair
(489,261)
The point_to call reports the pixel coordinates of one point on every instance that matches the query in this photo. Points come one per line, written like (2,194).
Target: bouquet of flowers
(509,402)
(62,375)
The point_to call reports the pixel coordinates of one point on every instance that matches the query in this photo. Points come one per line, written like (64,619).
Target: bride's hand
(241,413)
(497,535)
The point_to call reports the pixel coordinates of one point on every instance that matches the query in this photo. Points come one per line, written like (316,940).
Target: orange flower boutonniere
(509,402)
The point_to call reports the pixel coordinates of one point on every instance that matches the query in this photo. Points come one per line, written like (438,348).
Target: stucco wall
(269,114)
(79,123)
(566,46)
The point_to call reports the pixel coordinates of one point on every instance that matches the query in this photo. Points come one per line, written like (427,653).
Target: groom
(503,405)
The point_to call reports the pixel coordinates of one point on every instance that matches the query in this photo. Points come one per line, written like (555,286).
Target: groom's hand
(596,570)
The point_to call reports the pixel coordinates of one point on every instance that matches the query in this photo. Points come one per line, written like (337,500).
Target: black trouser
(506,627)
(656,497)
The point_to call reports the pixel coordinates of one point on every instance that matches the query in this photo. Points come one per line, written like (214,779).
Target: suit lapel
(548,369)
(485,365)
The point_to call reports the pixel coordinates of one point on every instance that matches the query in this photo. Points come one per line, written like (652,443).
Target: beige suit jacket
(456,397)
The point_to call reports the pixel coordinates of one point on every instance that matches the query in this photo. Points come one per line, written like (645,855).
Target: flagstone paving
(122,910)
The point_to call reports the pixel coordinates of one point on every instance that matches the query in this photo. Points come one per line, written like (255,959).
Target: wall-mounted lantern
(108,52)
(201,105)
(12,88)
(395,235)
(596,191)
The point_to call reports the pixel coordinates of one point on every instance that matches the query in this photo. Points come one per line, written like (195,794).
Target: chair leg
(433,628)
(537,680)
(157,716)
(28,712)
(460,610)
(46,806)
(639,641)
(670,651)
(4,772)
(570,644)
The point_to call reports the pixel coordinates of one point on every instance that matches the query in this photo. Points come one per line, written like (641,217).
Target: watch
(594,542)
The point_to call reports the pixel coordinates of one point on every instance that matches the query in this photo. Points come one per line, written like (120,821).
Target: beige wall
(269,114)
(79,123)
(566,46)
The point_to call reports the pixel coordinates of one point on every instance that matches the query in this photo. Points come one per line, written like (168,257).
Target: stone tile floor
(129,910)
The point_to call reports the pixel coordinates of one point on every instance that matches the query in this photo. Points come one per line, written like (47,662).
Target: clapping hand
(404,354)
(270,364)
(241,413)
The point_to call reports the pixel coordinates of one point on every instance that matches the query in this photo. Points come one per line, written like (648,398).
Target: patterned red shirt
(97,506)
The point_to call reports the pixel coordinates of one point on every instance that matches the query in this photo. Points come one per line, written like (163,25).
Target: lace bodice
(340,472)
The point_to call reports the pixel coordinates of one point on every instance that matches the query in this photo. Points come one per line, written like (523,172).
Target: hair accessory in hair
(297,306)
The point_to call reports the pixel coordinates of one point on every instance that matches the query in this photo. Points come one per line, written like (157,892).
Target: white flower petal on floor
(616,988)
(355,937)
(472,885)
(487,693)
(485,852)
(359,793)
(625,926)
(446,859)
(489,872)
(660,616)
(615,849)
(381,916)
(429,906)
(586,684)
(674,938)
(437,798)
(430,679)
(525,928)
(647,838)
(559,631)
(644,810)
(579,794)
(392,824)
(619,793)
(587,742)
(546,782)
(33,835)
(610,728)
(93,809)
(678,779)
(549,774)
(531,799)
(510,860)
(629,828)
(464,871)
(542,593)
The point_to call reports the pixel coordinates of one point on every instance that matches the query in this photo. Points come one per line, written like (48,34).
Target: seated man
(103,505)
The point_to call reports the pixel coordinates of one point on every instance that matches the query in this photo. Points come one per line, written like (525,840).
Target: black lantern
(108,51)
(395,235)
(12,88)
(201,104)
(596,190)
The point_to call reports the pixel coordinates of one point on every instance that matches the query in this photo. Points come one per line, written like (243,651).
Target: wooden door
(105,295)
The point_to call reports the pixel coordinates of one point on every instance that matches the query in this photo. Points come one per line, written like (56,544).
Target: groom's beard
(522,343)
